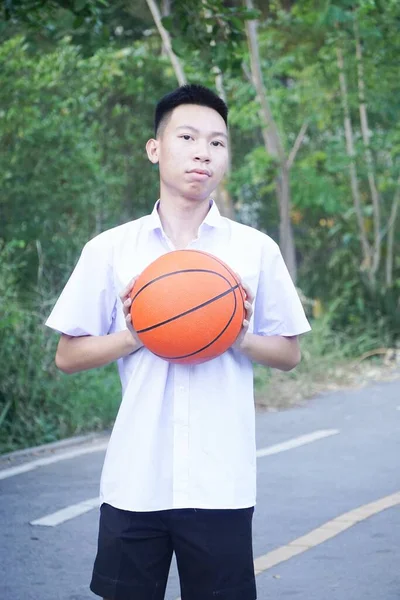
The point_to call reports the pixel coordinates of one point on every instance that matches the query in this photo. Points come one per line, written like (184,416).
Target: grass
(67,406)
(38,403)
(329,362)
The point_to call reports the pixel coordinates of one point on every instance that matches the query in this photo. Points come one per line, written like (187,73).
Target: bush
(38,403)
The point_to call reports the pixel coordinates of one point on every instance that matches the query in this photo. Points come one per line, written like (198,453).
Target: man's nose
(202,153)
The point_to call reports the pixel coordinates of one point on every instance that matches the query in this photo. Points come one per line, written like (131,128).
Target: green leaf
(78,21)
(168,23)
(179,47)
(79,5)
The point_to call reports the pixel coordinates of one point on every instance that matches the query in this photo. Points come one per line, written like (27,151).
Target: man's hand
(275,351)
(81,353)
(248,306)
(126,305)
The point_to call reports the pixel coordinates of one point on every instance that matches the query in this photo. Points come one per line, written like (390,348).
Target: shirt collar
(213,218)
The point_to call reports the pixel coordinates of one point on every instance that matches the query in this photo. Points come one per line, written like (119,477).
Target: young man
(180,469)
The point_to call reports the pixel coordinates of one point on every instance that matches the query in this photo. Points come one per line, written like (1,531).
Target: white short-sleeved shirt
(184,436)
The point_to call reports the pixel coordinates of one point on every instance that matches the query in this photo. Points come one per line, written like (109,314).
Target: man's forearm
(76,354)
(272,351)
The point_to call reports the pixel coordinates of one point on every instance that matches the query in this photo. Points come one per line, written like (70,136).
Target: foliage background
(78,86)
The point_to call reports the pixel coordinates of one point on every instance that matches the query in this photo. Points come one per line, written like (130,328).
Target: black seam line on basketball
(176,273)
(218,260)
(210,343)
(228,269)
(187,312)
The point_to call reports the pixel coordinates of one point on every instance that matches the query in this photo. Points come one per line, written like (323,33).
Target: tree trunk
(166,7)
(390,240)
(223,197)
(355,191)
(274,147)
(270,132)
(165,12)
(285,226)
(376,256)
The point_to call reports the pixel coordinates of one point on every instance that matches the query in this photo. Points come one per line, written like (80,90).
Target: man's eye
(185,136)
(216,143)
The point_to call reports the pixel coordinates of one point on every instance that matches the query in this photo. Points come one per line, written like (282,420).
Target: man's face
(191,149)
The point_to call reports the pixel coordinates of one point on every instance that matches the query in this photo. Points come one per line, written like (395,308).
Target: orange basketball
(187,306)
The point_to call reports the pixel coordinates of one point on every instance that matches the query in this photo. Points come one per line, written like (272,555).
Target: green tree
(72,138)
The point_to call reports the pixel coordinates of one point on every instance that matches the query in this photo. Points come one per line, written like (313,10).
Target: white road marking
(70,512)
(296,442)
(42,462)
(321,534)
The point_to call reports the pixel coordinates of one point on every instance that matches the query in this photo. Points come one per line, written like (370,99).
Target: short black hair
(189,94)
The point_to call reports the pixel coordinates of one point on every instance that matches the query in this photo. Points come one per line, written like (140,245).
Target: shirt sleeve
(277,306)
(87,304)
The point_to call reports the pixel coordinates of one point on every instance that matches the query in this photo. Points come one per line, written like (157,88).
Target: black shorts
(213,550)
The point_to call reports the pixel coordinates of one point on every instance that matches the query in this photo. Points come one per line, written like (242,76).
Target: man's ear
(152,150)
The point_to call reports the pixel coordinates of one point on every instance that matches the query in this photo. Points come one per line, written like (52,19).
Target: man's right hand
(126,305)
(76,354)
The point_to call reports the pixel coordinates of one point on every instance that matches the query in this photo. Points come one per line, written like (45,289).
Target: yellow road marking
(323,533)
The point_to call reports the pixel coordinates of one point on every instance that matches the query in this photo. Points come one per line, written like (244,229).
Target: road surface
(326,525)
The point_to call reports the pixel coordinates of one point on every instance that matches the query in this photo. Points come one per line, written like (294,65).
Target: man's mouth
(200,172)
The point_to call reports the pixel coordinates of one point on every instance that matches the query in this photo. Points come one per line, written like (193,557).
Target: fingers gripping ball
(187,306)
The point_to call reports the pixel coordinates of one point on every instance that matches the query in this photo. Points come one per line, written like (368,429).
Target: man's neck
(181,219)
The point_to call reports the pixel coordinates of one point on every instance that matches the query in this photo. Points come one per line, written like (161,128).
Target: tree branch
(296,145)
(166,38)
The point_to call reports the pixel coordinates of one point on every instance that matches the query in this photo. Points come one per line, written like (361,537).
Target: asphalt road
(351,459)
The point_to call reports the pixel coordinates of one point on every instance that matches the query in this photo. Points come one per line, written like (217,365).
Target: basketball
(187,307)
